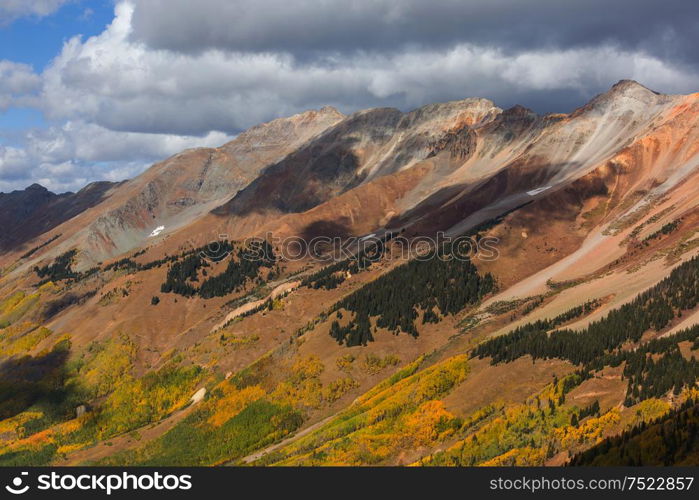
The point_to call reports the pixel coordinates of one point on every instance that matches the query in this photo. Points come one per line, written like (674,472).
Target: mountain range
(165,320)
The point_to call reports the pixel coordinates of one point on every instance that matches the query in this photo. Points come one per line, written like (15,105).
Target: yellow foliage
(688,393)
(344,363)
(7,305)
(424,426)
(337,388)
(71,425)
(111,363)
(234,402)
(69,448)
(308,367)
(16,330)
(38,439)
(374,364)
(519,427)
(136,402)
(17,306)
(16,423)
(236,341)
(25,343)
(594,430)
(590,432)
(303,387)
(48,287)
(381,423)
(517,457)
(650,409)
(301,393)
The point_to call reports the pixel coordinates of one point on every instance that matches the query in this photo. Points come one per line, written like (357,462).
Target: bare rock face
(624,96)
(198,396)
(182,188)
(19,204)
(80,411)
(470,143)
(366,145)
(442,166)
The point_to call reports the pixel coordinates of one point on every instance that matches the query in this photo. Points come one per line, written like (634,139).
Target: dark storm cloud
(666,28)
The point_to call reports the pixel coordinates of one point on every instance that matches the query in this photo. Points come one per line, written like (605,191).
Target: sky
(101,89)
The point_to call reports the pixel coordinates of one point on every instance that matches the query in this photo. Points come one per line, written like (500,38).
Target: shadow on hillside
(27,380)
(319,170)
(452,204)
(26,223)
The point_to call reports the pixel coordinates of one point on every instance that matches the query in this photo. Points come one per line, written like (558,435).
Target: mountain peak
(625,94)
(630,86)
(330,110)
(327,114)
(518,112)
(462,112)
(36,187)
(289,129)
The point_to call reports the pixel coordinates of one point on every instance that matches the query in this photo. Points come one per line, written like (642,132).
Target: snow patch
(538,190)
(156,231)
(367,236)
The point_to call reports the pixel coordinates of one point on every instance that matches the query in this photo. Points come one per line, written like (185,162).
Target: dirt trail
(126,441)
(259,454)
(279,290)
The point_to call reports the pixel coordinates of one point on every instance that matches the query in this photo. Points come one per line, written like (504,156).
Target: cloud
(10,10)
(666,28)
(87,14)
(91,143)
(121,84)
(13,163)
(17,84)
(69,156)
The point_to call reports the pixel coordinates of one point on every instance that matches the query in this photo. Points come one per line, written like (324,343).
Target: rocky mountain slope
(147,292)
(27,214)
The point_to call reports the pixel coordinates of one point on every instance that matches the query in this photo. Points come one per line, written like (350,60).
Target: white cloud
(487,72)
(123,85)
(18,82)
(67,157)
(14,9)
(87,142)
(13,163)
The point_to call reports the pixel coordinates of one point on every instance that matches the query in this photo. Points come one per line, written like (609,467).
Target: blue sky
(36,41)
(100,89)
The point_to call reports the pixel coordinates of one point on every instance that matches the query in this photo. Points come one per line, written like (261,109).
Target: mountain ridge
(148,296)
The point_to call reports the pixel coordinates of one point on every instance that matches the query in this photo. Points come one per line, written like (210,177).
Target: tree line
(652,369)
(332,276)
(437,287)
(244,265)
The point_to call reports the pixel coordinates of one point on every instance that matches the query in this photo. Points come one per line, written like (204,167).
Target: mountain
(177,191)
(146,322)
(26,214)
